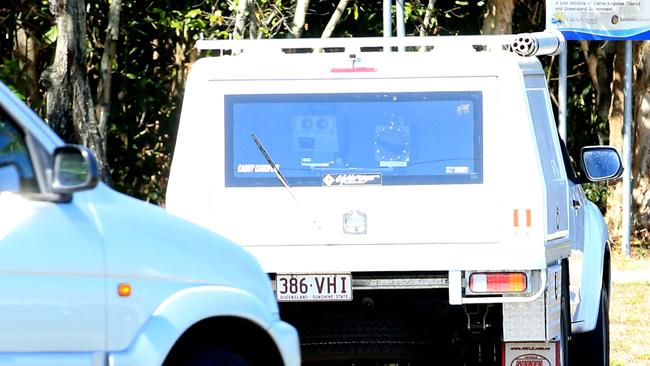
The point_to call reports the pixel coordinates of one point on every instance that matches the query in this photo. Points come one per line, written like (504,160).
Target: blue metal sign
(600,19)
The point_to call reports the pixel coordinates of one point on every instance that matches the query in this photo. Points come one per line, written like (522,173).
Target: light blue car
(92,277)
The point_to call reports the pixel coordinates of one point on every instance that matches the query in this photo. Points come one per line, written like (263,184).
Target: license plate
(314,287)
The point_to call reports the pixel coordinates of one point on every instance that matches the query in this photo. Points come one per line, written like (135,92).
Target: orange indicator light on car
(498,282)
(124,289)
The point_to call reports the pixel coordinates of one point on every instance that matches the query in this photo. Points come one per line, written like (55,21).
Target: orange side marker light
(124,290)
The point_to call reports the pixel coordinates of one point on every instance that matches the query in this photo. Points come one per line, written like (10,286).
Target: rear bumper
(398,257)
(453,282)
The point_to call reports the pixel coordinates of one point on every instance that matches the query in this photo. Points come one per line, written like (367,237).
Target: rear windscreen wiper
(274,166)
(283,180)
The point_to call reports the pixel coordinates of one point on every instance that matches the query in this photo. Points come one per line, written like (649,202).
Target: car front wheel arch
(224,341)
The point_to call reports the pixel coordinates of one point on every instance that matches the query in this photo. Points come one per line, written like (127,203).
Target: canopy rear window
(418,138)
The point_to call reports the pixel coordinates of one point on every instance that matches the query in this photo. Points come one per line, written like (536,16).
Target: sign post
(626,222)
(621,20)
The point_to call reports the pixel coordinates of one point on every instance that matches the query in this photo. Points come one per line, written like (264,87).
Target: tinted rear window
(356,138)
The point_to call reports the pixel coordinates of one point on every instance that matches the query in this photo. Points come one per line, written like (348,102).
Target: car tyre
(216,357)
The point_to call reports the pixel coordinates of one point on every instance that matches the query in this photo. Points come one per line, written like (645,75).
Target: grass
(639,260)
(630,315)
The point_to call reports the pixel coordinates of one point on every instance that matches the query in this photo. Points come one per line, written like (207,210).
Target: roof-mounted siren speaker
(550,43)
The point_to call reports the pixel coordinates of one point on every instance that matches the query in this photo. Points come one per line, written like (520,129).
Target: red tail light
(498,282)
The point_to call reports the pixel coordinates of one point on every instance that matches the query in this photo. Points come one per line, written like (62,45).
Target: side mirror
(9,178)
(601,163)
(75,169)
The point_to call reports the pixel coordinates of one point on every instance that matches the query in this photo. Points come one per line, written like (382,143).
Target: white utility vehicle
(92,277)
(409,197)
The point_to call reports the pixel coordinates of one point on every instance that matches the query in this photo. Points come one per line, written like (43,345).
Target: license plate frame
(313,287)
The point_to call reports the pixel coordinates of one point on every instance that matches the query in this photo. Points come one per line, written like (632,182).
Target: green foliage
(583,123)
(34,20)
(8,71)
(597,193)
(155,51)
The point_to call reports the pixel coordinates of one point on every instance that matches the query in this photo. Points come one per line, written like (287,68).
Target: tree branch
(299,18)
(240,19)
(426,23)
(334,20)
(252,20)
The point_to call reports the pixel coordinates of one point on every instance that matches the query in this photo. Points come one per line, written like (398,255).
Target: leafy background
(155,51)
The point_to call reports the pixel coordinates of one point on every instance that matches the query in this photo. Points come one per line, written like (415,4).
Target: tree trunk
(57,76)
(106,67)
(252,21)
(240,19)
(616,116)
(299,18)
(428,15)
(599,57)
(69,93)
(641,162)
(498,17)
(26,49)
(334,20)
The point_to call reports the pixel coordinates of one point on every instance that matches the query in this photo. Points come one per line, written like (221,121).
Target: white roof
(332,58)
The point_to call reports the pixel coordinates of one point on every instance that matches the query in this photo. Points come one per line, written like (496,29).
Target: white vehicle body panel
(313,221)
(518,218)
